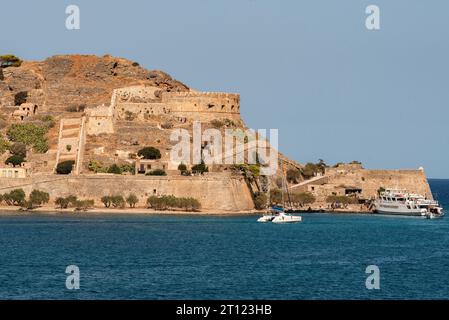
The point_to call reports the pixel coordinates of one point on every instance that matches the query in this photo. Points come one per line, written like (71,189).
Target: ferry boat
(400,202)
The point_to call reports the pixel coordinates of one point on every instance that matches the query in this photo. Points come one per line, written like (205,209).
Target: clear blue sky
(334,89)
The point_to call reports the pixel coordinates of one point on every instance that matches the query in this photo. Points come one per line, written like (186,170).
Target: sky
(310,68)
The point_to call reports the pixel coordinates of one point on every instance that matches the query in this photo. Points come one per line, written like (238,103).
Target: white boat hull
(266,218)
(284,218)
(383,209)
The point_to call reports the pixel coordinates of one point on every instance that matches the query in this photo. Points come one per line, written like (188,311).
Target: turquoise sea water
(187,257)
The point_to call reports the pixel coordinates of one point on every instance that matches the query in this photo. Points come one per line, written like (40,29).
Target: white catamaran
(277,213)
(400,202)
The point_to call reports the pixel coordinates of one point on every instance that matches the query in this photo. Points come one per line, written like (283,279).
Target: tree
(17,197)
(15,160)
(83,205)
(276,196)
(4,145)
(157,172)
(117,201)
(303,198)
(200,168)
(62,203)
(309,170)
(149,153)
(132,200)
(18,149)
(29,134)
(293,175)
(167,202)
(321,165)
(341,199)
(115,169)
(72,200)
(9,60)
(38,198)
(65,167)
(380,190)
(260,200)
(106,200)
(182,167)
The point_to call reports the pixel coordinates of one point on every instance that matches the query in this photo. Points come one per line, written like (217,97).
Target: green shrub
(38,198)
(149,153)
(172,202)
(19,149)
(380,190)
(293,175)
(15,160)
(4,145)
(83,205)
(217,124)
(132,200)
(66,202)
(156,172)
(341,199)
(30,134)
(9,60)
(62,203)
(15,198)
(182,167)
(115,169)
(309,170)
(260,200)
(254,169)
(303,198)
(200,168)
(276,196)
(65,167)
(128,168)
(106,200)
(41,146)
(48,121)
(97,166)
(117,201)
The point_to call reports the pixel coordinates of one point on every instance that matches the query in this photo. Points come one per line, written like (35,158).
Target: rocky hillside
(76,80)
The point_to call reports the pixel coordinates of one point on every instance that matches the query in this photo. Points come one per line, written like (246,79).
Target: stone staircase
(71,142)
(314,180)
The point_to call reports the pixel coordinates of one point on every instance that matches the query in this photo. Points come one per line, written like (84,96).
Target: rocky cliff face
(76,80)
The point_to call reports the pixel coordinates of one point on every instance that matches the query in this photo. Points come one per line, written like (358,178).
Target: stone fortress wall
(215,191)
(353,176)
(138,103)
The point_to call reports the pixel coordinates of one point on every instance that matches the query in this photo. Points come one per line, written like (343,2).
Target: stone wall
(203,106)
(371,180)
(142,102)
(215,191)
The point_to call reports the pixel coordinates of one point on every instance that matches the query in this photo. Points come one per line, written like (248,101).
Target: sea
(327,256)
